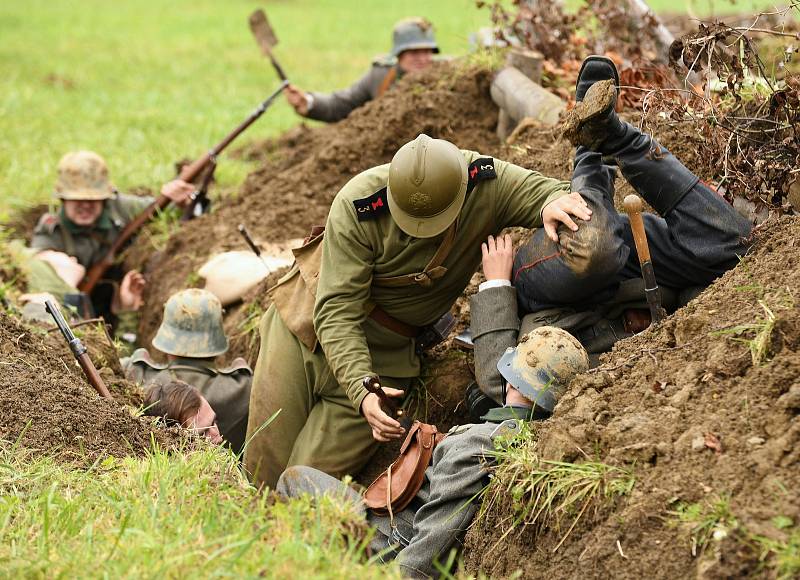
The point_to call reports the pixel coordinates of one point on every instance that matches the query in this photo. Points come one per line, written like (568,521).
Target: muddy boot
(593,70)
(593,122)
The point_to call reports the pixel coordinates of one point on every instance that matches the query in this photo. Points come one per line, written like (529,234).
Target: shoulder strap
(387,81)
(432,271)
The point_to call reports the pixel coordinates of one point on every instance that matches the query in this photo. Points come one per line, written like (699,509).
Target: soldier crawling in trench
(413,47)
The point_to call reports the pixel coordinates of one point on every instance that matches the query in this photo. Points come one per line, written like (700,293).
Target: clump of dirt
(304,169)
(49,408)
(24,220)
(703,408)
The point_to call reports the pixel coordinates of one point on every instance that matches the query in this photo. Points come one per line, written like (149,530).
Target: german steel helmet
(83,175)
(542,365)
(192,325)
(413,33)
(427,186)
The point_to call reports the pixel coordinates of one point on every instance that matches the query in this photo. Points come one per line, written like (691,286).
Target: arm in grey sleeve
(332,107)
(456,477)
(495,327)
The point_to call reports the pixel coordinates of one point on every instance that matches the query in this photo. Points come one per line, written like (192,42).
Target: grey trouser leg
(300,480)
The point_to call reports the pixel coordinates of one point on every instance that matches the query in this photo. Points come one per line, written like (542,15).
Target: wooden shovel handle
(633,207)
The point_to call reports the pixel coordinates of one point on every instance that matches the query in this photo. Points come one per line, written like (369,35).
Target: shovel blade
(262,31)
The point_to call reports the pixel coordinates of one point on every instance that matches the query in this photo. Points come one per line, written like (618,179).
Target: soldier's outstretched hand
(384,428)
(179,191)
(297,99)
(560,210)
(130,296)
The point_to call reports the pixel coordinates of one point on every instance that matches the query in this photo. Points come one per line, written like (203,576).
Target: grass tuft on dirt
(168,515)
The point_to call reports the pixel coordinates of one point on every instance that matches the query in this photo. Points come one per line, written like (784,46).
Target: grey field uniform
(88,244)
(227,390)
(438,517)
(408,34)
(335,106)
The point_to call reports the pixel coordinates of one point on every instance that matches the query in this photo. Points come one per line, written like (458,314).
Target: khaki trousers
(317,425)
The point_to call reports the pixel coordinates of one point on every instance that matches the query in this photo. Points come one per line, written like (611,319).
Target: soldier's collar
(500,414)
(103,222)
(194,363)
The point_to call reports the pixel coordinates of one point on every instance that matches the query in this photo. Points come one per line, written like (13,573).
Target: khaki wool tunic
(357,252)
(309,379)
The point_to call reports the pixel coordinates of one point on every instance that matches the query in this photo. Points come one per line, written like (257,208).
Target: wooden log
(520,97)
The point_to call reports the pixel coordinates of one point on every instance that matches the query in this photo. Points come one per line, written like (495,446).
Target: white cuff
(497,283)
(310,101)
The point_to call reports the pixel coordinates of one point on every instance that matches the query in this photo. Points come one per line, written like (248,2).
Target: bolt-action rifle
(188,174)
(77,348)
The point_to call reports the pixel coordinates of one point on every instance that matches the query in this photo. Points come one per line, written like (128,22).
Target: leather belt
(390,322)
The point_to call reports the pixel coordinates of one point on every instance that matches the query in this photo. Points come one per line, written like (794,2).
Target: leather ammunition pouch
(394,489)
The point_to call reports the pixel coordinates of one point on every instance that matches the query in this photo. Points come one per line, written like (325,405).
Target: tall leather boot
(652,170)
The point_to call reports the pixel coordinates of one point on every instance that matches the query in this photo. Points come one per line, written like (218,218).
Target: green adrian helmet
(542,365)
(413,34)
(427,186)
(192,325)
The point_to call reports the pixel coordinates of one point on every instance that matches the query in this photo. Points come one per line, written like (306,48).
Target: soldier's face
(205,423)
(414,60)
(83,212)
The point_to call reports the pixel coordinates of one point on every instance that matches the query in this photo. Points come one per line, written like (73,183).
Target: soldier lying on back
(91,216)
(191,335)
(402,242)
(589,281)
(422,534)
(413,48)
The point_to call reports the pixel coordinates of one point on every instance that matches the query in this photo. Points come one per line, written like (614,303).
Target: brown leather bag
(394,489)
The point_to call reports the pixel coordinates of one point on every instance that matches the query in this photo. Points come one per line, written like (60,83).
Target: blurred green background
(147,82)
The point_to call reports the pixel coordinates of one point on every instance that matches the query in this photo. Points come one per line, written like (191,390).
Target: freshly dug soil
(49,408)
(305,168)
(686,409)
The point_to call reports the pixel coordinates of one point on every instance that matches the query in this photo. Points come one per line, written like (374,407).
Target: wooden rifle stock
(188,174)
(79,351)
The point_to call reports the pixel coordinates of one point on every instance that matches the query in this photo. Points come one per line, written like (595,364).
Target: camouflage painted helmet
(543,364)
(427,186)
(192,325)
(83,175)
(411,34)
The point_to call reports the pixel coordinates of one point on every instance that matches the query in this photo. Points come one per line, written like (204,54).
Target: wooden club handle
(633,207)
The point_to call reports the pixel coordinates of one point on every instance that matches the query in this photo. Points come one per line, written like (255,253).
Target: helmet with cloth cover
(427,186)
(83,176)
(542,365)
(413,34)
(192,325)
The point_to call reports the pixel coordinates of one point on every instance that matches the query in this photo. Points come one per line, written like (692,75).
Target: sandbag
(230,275)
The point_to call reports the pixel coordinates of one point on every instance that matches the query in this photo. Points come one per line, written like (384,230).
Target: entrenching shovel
(266,39)
(633,207)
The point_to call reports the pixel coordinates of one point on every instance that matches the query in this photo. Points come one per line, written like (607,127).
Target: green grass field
(147,82)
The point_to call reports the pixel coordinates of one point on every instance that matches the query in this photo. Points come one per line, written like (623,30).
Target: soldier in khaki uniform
(401,243)
(191,335)
(413,47)
(91,216)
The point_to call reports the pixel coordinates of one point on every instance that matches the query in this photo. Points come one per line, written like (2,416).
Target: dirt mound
(50,409)
(703,411)
(304,169)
